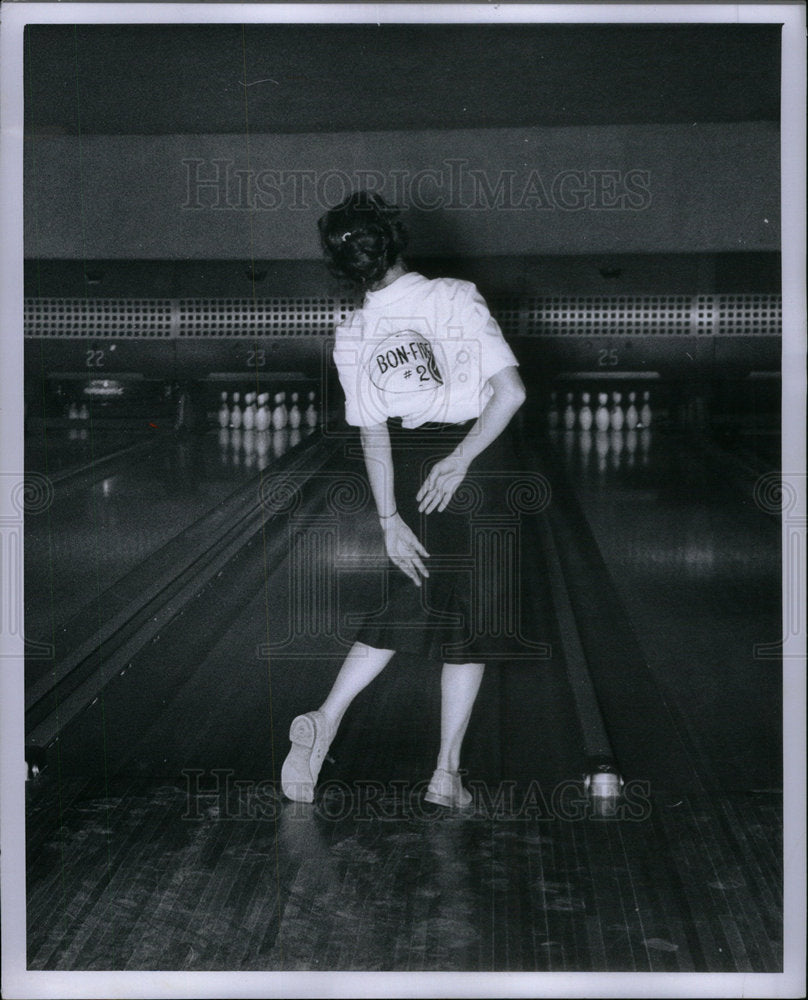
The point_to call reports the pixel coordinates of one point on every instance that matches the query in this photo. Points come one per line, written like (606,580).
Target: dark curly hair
(362,237)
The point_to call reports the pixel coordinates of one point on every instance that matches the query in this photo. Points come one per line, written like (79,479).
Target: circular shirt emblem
(404,363)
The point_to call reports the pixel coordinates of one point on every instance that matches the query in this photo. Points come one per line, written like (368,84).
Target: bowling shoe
(311,737)
(446,789)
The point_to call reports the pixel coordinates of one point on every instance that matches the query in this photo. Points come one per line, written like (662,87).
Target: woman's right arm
(379,462)
(401,544)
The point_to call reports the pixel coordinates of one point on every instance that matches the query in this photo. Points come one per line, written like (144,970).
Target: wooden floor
(142,875)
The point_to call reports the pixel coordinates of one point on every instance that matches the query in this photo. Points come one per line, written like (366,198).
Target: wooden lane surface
(255,884)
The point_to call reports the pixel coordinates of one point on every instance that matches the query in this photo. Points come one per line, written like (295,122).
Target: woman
(431,384)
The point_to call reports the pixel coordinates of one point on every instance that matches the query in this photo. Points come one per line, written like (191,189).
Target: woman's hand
(404,549)
(440,485)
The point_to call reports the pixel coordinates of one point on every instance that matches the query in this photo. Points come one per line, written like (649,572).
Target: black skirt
(474,605)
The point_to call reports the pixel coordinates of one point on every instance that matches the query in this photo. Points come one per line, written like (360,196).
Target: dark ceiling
(185,79)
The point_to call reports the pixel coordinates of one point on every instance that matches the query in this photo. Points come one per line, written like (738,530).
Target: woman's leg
(361,665)
(312,733)
(459,685)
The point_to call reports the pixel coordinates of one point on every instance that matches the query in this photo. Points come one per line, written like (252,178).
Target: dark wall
(187,79)
(621,189)
(602,274)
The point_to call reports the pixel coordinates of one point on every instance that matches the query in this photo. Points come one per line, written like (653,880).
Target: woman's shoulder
(349,324)
(452,288)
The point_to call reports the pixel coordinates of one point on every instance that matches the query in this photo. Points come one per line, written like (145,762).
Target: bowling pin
(616,417)
(262,448)
(249,447)
(616,445)
(235,445)
(73,412)
(645,444)
(224,412)
(262,413)
(84,413)
(552,413)
(248,417)
(224,442)
(279,442)
(632,417)
(631,447)
(645,410)
(294,437)
(295,416)
(585,415)
(569,414)
(235,412)
(602,449)
(185,416)
(280,415)
(569,445)
(311,412)
(602,419)
(585,444)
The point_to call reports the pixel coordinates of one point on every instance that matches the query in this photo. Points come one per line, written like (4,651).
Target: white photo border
(17,980)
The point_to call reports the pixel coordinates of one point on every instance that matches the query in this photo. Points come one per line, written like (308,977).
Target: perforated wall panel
(260,317)
(98,318)
(605,316)
(643,316)
(756,315)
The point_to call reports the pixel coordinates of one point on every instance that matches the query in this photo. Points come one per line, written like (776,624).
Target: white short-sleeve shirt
(419,349)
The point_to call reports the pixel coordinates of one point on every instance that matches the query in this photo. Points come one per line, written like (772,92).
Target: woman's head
(362,237)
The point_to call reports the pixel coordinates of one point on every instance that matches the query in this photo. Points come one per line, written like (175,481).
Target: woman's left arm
(447,474)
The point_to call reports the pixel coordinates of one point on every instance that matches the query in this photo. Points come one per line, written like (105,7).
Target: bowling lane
(61,449)
(695,561)
(110,516)
(684,556)
(161,835)
(263,641)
